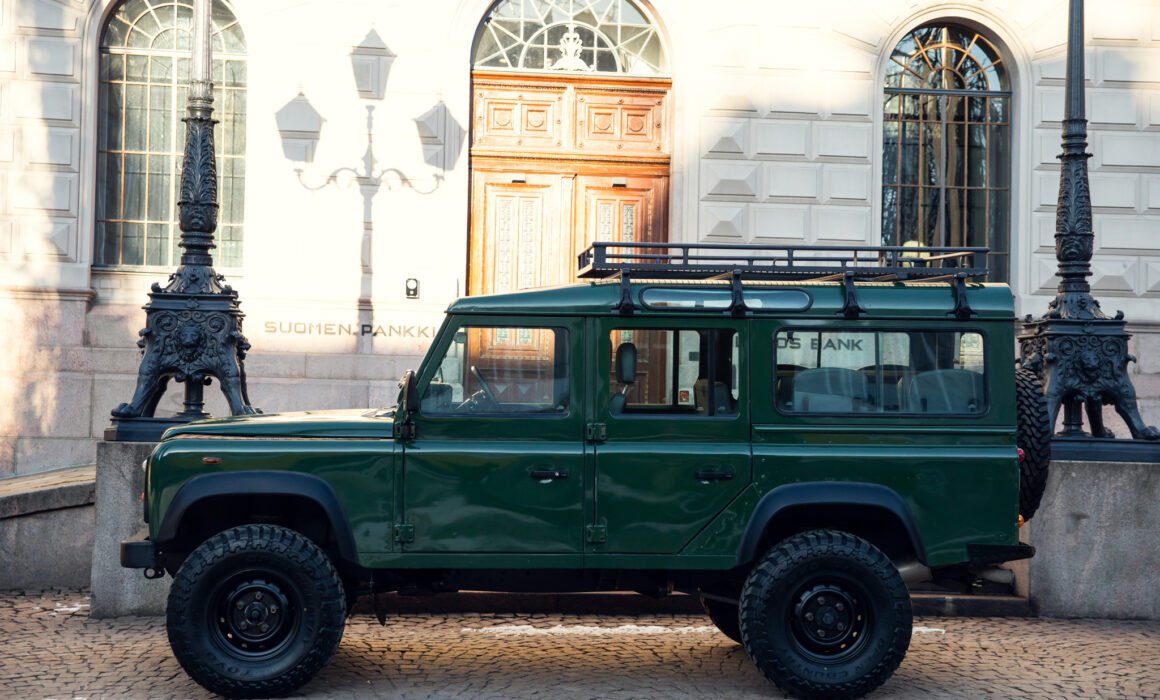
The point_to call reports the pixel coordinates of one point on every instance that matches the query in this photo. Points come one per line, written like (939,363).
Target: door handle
(712,475)
(547,474)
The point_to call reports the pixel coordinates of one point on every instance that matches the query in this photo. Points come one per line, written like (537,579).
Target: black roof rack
(692,261)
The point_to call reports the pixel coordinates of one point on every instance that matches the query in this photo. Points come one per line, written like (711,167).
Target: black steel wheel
(1033,435)
(255,611)
(724,616)
(825,614)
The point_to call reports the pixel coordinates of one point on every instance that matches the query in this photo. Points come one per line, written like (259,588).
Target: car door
(496,461)
(672,439)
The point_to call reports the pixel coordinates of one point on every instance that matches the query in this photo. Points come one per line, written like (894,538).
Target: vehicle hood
(349,423)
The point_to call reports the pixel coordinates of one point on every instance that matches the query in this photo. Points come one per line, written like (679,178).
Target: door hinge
(405,431)
(597,534)
(596,432)
(404,533)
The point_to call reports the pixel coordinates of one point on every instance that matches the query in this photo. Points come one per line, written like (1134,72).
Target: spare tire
(1033,436)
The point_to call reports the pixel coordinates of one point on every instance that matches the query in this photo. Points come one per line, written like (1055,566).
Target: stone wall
(1095,537)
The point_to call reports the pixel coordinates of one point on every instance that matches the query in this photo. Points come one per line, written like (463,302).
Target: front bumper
(139,552)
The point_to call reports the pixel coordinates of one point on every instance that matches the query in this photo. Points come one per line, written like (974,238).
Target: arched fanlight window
(946,166)
(596,36)
(144,76)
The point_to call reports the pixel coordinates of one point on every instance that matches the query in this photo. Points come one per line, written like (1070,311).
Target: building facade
(379,158)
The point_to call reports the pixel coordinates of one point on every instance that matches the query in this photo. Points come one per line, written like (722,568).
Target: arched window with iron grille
(946,155)
(144,75)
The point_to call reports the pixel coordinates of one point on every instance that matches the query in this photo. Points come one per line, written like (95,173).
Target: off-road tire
(240,580)
(843,580)
(1033,436)
(724,616)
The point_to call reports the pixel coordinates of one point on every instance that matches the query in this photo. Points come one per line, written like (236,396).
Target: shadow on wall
(43,391)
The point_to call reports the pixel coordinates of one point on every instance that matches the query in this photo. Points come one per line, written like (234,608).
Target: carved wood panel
(519,119)
(620,122)
(628,209)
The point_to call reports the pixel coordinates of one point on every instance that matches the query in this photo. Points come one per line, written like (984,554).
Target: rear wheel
(255,611)
(825,614)
(1033,435)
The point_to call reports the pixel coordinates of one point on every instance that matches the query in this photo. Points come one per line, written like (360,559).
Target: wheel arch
(237,498)
(872,511)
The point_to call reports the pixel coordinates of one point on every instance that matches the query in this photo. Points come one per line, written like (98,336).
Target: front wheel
(825,614)
(255,611)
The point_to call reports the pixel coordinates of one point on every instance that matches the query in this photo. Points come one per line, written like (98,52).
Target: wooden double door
(559,162)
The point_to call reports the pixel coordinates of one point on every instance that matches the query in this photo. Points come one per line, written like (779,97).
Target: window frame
(986,373)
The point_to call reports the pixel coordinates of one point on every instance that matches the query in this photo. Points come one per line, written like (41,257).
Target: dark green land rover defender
(776,430)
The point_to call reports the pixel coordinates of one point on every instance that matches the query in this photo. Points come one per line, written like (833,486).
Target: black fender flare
(263,483)
(825,493)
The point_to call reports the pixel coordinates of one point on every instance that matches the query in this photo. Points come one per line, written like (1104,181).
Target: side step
(925,604)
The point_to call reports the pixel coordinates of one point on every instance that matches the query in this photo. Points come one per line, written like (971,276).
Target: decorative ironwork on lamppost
(193,326)
(1080,354)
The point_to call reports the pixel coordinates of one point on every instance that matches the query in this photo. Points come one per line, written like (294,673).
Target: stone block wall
(1095,537)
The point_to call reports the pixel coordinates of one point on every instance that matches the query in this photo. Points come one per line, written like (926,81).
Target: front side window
(144,78)
(681,372)
(880,372)
(946,147)
(501,370)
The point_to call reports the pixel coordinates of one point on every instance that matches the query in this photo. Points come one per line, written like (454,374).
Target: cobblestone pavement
(52,649)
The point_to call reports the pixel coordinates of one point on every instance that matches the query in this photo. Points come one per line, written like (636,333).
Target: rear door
(672,444)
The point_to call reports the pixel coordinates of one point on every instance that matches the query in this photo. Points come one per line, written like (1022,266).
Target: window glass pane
(776,299)
(659,298)
(909,163)
(890,153)
(134,187)
(890,204)
(159,188)
(501,370)
(1000,156)
(976,155)
(157,245)
(674,372)
(133,244)
(879,372)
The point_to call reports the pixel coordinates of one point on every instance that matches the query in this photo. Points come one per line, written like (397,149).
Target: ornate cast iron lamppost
(1080,353)
(193,326)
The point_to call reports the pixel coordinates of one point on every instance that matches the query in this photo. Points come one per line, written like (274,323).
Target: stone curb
(46,491)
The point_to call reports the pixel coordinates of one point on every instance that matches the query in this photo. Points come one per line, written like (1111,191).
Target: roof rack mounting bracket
(624,305)
(851,309)
(962,310)
(737,305)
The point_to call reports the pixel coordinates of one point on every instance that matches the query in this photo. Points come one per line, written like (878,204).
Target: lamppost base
(144,429)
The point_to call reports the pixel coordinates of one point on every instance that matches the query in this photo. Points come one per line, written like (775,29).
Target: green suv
(779,431)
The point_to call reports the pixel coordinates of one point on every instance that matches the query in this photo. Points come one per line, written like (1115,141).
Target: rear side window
(884,372)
